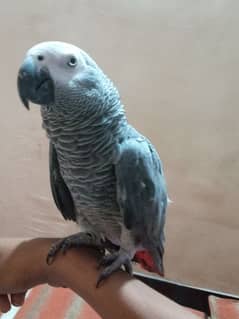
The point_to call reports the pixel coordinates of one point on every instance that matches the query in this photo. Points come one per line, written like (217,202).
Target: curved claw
(103,275)
(55,248)
(76,240)
(128,267)
(49,260)
(106,260)
(113,263)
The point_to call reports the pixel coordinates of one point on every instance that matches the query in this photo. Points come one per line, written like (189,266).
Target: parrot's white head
(62,60)
(51,65)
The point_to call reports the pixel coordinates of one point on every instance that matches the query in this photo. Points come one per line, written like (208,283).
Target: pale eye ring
(72,61)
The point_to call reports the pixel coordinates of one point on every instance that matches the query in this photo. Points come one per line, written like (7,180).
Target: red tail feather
(145,260)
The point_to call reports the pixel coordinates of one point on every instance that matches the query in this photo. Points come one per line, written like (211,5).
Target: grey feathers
(60,191)
(141,190)
(104,174)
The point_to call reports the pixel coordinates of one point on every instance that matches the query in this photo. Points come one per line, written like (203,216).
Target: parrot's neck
(87,119)
(96,126)
(90,103)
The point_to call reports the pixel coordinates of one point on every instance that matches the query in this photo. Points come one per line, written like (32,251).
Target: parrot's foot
(112,263)
(76,240)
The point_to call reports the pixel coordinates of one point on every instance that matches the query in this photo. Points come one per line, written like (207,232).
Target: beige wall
(176,65)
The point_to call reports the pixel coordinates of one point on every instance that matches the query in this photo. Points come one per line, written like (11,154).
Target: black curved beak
(34,84)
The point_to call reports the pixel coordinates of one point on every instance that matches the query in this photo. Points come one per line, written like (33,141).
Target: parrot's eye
(40,57)
(72,61)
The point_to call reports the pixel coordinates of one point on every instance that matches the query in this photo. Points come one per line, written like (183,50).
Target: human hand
(22,266)
(13,299)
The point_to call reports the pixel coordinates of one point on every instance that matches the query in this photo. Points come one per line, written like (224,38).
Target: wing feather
(60,191)
(142,193)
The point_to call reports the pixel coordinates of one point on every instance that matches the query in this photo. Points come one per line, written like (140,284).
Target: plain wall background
(176,66)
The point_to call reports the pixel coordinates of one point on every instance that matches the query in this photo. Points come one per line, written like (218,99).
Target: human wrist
(35,264)
(77,269)
(50,274)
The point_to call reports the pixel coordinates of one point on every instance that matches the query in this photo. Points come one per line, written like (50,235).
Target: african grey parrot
(104,174)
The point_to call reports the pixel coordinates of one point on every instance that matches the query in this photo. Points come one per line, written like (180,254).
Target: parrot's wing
(141,191)
(60,191)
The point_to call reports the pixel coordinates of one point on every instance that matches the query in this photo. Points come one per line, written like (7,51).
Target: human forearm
(23,265)
(121,296)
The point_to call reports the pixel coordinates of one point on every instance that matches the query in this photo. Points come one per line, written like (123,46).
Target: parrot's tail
(157,255)
(147,262)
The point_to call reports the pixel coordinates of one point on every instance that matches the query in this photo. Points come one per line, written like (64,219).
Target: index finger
(18,299)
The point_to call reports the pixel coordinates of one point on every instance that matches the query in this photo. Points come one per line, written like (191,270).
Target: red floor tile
(88,313)
(57,304)
(30,300)
(223,308)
